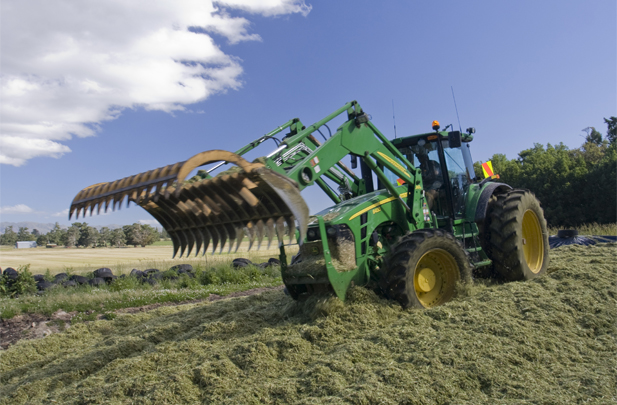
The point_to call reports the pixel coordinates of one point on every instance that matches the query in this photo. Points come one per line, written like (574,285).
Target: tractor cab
(444,160)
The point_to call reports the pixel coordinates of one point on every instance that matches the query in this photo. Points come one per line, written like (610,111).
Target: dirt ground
(36,326)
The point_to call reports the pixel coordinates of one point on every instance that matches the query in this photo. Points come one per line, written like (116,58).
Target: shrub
(187,281)
(23,284)
(126,283)
(208,277)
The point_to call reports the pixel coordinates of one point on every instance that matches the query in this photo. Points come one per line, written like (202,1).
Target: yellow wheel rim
(435,278)
(533,242)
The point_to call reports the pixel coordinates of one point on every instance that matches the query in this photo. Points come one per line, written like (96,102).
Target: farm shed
(25,244)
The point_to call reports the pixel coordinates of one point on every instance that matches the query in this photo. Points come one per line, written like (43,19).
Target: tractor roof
(429,136)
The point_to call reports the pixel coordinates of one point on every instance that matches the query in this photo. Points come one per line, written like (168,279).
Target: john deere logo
(314,250)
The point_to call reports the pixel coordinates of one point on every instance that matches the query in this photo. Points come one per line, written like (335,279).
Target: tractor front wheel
(423,269)
(518,236)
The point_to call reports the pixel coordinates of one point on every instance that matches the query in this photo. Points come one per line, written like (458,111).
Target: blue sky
(523,72)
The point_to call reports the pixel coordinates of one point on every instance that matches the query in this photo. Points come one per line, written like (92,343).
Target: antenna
(393,119)
(459,120)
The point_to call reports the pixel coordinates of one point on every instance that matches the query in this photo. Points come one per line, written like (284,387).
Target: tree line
(81,234)
(575,186)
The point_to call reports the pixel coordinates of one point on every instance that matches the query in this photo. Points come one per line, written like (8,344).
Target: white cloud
(151,222)
(63,213)
(16,209)
(68,66)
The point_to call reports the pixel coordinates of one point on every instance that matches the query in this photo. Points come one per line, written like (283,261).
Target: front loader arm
(261,198)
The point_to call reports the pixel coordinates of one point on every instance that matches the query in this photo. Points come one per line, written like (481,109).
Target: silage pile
(551,340)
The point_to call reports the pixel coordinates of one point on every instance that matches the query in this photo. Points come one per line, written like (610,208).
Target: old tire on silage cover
(241,262)
(518,236)
(423,268)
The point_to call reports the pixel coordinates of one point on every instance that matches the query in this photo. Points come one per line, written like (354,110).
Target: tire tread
(505,230)
(393,283)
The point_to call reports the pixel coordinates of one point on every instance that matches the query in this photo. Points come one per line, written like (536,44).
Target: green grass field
(120,260)
(590,229)
(163,243)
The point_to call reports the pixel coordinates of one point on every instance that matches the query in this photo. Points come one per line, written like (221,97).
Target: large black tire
(518,236)
(423,268)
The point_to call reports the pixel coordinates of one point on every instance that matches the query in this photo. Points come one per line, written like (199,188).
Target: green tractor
(411,222)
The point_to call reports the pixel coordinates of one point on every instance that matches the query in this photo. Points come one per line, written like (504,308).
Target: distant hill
(43,227)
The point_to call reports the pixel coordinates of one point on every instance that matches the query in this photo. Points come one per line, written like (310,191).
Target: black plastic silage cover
(556,241)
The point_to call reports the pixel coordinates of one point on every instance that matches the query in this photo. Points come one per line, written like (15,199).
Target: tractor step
(465,236)
(483,263)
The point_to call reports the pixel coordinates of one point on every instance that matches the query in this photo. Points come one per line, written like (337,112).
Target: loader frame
(369,217)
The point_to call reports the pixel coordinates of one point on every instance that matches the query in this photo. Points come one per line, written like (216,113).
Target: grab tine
(191,244)
(280,230)
(231,234)
(291,224)
(183,245)
(231,244)
(215,238)
(259,230)
(174,240)
(270,231)
(107,201)
(207,240)
(223,232)
(239,237)
(250,229)
(198,247)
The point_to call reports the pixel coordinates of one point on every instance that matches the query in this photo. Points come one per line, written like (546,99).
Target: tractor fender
(487,193)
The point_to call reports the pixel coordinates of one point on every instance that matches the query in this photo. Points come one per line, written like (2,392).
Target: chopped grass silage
(549,340)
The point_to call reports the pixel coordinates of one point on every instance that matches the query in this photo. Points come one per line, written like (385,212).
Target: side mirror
(454,139)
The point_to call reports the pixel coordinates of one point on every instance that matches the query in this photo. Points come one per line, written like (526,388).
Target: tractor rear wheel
(423,269)
(518,236)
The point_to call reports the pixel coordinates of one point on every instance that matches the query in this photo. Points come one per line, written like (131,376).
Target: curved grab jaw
(255,202)
(289,195)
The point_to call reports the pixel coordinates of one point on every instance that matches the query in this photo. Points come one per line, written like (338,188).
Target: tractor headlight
(311,234)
